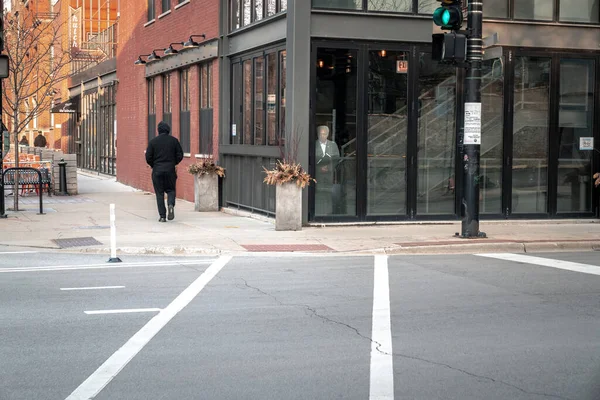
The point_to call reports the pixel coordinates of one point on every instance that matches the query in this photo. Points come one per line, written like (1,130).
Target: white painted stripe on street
(382,361)
(545,262)
(106,266)
(123,311)
(17,252)
(115,363)
(91,288)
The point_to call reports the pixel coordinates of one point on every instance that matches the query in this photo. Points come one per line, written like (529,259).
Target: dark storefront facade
(362,72)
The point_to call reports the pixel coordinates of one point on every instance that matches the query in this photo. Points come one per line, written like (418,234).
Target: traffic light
(449,16)
(449,48)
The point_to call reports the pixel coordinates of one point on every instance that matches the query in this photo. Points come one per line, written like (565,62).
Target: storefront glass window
(272,99)
(427,6)
(259,109)
(387,133)
(247,12)
(258,10)
(339,4)
(271,7)
(580,11)
(492,130)
(248,102)
(530,135)
(282,94)
(542,10)
(436,137)
(575,135)
(335,137)
(390,5)
(283,5)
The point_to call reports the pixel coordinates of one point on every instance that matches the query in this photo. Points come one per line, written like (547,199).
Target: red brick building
(181,88)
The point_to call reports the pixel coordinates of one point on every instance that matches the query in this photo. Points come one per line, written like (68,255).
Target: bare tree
(37,61)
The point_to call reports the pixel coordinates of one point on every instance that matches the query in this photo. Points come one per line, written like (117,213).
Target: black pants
(164,181)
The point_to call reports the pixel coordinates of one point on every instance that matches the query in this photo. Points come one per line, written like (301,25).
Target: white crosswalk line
(545,262)
(382,361)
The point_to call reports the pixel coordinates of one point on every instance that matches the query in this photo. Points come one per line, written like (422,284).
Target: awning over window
(70,106)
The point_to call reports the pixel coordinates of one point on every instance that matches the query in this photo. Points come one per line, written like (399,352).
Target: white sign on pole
(472,123)
(233,130)
(586,143)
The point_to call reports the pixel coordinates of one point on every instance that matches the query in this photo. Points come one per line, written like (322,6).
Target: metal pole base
(480,235)
(114,260)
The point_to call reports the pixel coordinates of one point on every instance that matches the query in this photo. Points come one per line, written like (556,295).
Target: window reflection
(492,129)
(530,135)
(579,11)
(534,9)
(340,4)
(576,116)
(437,144)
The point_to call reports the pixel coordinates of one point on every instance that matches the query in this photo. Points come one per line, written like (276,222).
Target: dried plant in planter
(206,167)
(285,172)
(287,169)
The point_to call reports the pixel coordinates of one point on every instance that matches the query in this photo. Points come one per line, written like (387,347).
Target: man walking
(162,155)
(40,140)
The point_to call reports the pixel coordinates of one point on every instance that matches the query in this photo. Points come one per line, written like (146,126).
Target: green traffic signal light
(449,17)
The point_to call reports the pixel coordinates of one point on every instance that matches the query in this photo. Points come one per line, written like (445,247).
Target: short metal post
(113,237)
(62,177)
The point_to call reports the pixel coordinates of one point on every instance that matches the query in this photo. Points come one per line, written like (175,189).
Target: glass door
(336,122)
(387,132)
(575,136)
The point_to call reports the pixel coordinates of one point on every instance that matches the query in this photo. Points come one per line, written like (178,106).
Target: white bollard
(113,237)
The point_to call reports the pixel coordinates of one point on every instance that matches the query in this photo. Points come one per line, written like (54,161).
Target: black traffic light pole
(471,138)
(2,205)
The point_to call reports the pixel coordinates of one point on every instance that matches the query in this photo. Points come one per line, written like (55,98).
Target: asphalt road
(299,327)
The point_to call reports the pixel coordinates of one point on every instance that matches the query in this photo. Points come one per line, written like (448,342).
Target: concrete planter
(288,207)
(206,192)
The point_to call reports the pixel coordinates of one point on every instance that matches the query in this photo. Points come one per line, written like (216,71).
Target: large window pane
(341,4)
(272,99)
(496,8)
(576,122)
(167,98)
(530,135)
(492,128)
(579,11)
(271,7)
(282,93)
(259,109)
(437,132)
(428,6)
(248,102)
(390,5)
(335,144)
(247,12)
(166,5)
(258,10)
(282,5)
(387,133)
(534,9)
(236,103)
(235,14)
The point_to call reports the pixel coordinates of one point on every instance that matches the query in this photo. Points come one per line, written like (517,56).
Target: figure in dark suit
(327,156)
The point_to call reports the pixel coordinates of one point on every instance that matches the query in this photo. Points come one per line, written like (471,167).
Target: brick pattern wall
(196,17)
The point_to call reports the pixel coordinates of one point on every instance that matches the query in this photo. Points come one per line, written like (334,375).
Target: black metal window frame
(151,10)
(239,84)
(510,5)
(205,132)
(151,108)
(237,15)
(166,92)
(184,110)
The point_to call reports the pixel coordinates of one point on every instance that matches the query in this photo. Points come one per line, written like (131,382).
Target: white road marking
(382,361)
(92,288)
(545,262)
(17,252)
(123,311)
(115,363)
(105,266)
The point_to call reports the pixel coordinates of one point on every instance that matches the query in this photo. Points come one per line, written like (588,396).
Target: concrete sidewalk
(85,219)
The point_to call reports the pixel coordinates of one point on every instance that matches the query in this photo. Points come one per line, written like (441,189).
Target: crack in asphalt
(478,376)
(314,312)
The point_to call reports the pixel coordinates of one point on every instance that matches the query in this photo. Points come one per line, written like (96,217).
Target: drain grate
(76,242)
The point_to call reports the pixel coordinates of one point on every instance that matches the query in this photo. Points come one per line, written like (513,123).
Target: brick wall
(196,17)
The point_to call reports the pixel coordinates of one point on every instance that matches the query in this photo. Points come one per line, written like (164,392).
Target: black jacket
(39,141)
(163,153)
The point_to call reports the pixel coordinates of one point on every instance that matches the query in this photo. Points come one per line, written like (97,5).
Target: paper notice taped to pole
(472,123)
